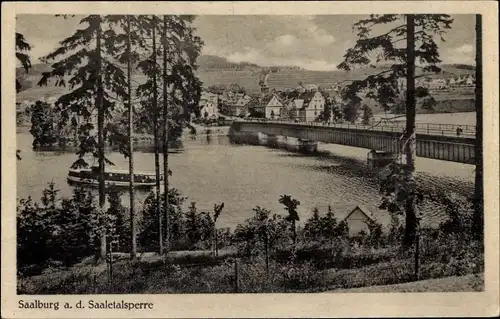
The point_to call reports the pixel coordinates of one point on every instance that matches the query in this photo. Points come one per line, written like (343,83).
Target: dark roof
(363,210)
(254,102)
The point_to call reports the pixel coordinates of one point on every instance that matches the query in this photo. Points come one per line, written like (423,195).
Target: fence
(422,128)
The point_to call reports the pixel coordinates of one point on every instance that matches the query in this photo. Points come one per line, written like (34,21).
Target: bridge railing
(423,128)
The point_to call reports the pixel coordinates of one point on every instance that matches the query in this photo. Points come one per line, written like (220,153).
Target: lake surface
(212,170)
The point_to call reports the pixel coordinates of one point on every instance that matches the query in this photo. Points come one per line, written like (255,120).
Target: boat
(112,177)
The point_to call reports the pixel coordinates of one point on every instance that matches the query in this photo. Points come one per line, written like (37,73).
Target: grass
(253,278)
(198,272)
(468,283)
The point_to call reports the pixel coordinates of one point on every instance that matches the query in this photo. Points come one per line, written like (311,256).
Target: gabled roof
(306,96)
(363,210)
(268,97)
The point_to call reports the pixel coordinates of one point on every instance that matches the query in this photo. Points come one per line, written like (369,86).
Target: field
(248,78)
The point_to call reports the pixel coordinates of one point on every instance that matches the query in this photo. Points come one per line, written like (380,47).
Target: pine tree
(291,205)
(181,88)
(86,57)
(418,31)
(23,58)
(128,45)
(312,227)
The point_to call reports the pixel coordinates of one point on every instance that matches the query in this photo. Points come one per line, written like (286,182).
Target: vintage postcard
(250,159)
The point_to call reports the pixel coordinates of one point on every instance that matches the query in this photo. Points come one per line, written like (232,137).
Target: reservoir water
(211,170)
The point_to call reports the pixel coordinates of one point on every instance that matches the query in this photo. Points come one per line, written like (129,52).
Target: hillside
(217,70)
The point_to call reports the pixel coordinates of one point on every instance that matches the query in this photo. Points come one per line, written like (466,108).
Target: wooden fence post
(236,275)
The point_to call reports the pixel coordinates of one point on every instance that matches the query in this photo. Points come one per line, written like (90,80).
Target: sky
(311,42)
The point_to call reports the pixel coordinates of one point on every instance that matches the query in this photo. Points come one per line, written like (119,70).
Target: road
(421,128)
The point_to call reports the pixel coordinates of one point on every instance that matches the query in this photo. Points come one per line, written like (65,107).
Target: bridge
(436,141)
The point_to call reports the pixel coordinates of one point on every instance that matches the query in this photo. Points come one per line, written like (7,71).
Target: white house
(470,81)
(272,106)
(357,220)
(241,106)
(293,107)
(313,103)
(208,109)
(437,84)
(207,96)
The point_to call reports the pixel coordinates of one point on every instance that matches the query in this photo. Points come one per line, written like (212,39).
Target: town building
(208,109)
(309,106)
(357,220)
(208,96)
(269,105)
(240,108)
(471,81)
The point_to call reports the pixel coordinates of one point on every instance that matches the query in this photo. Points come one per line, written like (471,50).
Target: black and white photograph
(248,153)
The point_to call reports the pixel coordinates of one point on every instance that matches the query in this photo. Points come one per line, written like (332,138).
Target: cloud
(258,57)
(268,40)
(464,54)
(465,48)
(286,39)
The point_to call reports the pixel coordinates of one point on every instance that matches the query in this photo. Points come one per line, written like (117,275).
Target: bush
(64,230)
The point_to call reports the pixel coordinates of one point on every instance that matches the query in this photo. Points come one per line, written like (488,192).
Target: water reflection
(214,169)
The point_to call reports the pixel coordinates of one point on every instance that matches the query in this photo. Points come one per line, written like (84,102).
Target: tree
(291,205)
(367,114)
(351,110)
(149,228)
(419,32)
(166,116)
(217,88)
(261,233)
(192,224)
(235,88)
(216,213)
(181,48)
(59,230)
(42,125)
(312,227)
(478,200)
(148,91)
(23,58)
(119,224)
(86,57)
(329,225)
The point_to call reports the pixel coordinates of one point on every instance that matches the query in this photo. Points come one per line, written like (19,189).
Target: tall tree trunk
(165,134)
(133,245)
(155,133)
(478,217)
(411,220)
(100,134)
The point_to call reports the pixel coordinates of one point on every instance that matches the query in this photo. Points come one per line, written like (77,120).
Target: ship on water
(112,177)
